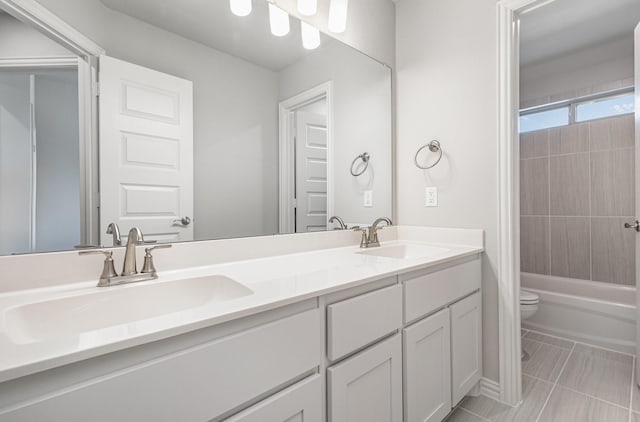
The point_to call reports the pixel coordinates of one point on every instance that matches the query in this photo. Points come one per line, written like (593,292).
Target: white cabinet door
(301,402)
(466,346)
(368,386)
(427,369)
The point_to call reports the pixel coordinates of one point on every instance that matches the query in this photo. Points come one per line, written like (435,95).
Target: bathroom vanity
(340,334)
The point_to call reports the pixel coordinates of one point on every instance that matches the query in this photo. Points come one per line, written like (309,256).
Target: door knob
(184,221)
(635,226)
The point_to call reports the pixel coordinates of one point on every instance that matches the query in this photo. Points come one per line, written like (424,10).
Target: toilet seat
(528,298)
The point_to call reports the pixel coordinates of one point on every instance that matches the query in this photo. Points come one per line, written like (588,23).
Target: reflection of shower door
(146,151)
(311,172)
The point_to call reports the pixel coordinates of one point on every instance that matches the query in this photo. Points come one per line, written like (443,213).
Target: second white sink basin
(113,306)
(405,251)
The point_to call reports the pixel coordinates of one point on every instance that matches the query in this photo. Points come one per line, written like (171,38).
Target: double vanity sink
(125,308)
(259,329)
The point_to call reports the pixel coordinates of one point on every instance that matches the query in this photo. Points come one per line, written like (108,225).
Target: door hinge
(96,89)
(295,203)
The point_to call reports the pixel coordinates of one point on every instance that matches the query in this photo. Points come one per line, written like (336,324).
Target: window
(568,112)
(605,107)
(544,119)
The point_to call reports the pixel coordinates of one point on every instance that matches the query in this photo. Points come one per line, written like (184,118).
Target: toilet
(528,307)
(528,304)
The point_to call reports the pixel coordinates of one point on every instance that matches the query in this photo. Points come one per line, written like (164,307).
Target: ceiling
(210,22)
(565,26)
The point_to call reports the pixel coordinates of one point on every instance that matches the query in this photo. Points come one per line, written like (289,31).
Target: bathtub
(601,314)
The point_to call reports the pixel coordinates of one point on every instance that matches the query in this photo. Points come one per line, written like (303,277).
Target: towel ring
(434,146)
(365,159)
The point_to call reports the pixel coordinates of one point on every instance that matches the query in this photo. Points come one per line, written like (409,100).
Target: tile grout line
(546,402)
(581,343)
(633,376)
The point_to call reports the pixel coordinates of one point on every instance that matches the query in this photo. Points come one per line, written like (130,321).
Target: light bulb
(278,21)
(240,7)
(310,36)
(338,15)
(307,7)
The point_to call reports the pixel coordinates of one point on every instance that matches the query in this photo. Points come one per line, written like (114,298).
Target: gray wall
(20,40)
(58,160)
(447,90)
(577,190)
(362,110)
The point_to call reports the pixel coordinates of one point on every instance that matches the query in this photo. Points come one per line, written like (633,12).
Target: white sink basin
(118,305)
(405,251)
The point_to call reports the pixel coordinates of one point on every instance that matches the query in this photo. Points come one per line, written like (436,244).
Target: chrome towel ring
(434,146)
(365,159)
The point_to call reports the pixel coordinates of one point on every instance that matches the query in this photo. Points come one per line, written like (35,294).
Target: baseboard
(490,388)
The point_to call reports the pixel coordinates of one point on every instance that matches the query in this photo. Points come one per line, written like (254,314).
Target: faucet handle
(148,266)
(108,269)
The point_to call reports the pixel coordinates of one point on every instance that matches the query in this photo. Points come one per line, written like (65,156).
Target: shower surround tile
(534,244)
(569,139)
(612,183)
(569,185)
(599,373)
(610,133)
(613,250)
(534,144)
(566,405)
(534,186)
(570,247)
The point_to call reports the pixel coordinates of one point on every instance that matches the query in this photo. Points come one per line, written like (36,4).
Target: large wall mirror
(204,126)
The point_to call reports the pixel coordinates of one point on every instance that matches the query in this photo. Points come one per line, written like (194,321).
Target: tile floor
(564,381)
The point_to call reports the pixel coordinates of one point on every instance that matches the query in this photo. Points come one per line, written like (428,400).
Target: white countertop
(275,281)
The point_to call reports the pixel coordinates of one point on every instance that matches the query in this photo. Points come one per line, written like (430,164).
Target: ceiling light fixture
(278,21)
(240,7)
(338,16)
(307,7)
(310,36)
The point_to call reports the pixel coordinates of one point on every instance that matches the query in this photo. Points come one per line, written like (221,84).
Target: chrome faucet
(340,221)
(129,265)
(370,235)
(113,229)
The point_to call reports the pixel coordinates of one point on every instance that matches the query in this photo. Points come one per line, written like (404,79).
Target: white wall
(578,73)
(362,110)
(370,25)
(446,90)
(235,117)
(20,40)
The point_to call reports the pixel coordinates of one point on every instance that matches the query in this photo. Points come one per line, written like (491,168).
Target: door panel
(466,346)
(146,151)
(311,172)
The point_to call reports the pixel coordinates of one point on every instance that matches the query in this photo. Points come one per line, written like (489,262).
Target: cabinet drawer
(301,402)
(426,293)
(196,384)
(357,322)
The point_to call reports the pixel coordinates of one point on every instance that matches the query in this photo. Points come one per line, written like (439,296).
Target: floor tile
(635,417)
(554,341)
(461,415)
(600,373)
(523,332)
(566,405)
(534,395)
(635,402)
(545,360)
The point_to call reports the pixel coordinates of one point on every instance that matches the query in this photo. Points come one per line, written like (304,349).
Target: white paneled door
(311,172)
(146,152)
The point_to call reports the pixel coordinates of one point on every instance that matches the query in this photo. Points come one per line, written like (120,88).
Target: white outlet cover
(368,198)
(431,196)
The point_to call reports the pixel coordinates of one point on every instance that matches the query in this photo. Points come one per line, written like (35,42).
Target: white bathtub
(602,314)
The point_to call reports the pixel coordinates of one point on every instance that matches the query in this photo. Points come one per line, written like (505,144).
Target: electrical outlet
(368,198)
(431,196)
